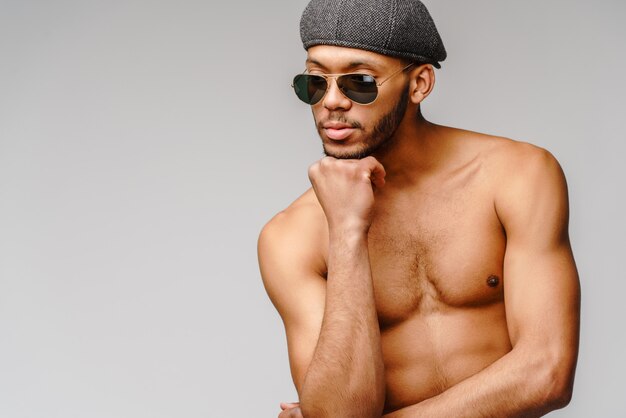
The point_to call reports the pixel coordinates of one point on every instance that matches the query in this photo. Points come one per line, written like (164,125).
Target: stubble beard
(382,136)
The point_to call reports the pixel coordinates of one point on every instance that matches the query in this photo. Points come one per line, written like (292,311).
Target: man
(428,272)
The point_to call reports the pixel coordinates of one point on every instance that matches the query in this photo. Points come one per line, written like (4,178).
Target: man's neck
(418,149)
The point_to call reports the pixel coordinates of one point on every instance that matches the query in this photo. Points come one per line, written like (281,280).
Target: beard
(382,136)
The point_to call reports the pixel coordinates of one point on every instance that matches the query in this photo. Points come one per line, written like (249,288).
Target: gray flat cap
(398,28)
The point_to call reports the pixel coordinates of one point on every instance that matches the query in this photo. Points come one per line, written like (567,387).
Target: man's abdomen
(432,351)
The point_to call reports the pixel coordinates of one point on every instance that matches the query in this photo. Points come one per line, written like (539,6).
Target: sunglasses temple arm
(394,74)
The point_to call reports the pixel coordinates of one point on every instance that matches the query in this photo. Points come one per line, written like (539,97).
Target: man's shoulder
(301,215)
(522,175)
(511,167)
(499,149)
(510,159)
(297,231)
(518,163)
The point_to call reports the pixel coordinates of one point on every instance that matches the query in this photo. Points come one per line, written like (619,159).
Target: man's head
(377,38)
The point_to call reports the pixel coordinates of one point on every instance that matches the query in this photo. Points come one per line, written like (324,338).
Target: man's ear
(422,82)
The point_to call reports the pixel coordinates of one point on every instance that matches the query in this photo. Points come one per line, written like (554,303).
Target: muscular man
(428,272)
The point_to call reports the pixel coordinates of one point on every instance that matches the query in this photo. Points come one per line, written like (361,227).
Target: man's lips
(338,131)
(339,134)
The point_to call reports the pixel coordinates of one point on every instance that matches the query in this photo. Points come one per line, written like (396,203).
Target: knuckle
(370,160)
(326,161)
(313,168)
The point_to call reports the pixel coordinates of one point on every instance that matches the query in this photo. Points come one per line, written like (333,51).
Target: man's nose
(334,98)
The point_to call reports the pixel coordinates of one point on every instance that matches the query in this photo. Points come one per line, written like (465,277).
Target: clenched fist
(345,189)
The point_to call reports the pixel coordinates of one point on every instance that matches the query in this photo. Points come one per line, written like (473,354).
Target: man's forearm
(346,376)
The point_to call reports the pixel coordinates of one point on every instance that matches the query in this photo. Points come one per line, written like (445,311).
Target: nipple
(493,281)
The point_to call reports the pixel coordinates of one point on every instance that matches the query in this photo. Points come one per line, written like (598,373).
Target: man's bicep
(297,291)
(542,292)
(542,297)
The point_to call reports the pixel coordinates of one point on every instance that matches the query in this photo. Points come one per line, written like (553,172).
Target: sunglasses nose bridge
(331,95)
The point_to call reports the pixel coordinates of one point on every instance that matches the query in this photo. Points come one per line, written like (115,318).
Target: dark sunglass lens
(309,88)
(360,88)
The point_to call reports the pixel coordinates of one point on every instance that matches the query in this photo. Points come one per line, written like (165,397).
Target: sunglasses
(360,88)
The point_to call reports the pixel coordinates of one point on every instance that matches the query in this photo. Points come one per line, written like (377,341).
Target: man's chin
(346,153)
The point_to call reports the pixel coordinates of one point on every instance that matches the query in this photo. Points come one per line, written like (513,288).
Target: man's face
(348,129)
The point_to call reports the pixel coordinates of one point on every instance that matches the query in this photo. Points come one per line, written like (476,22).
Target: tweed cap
(398,28)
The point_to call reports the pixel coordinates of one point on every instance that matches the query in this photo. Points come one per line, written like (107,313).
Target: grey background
(143,144)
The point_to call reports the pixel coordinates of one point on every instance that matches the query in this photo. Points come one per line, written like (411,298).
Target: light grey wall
(143,144)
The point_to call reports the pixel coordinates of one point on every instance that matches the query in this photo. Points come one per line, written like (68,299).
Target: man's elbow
(559,383)
(310,410)
(560,392)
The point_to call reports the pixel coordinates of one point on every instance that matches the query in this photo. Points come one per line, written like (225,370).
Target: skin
(391,273)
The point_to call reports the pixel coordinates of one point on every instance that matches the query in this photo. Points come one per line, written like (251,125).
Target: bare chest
(431,252)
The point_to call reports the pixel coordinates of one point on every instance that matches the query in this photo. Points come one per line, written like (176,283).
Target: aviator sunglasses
(360,88)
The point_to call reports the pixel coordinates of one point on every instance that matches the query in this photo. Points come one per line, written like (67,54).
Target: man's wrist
(348,233)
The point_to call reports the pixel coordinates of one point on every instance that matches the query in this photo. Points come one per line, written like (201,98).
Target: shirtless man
(428,272)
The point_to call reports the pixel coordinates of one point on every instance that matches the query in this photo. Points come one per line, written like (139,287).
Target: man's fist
(345,189)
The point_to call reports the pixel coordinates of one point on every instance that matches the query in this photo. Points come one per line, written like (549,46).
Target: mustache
(341,119)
